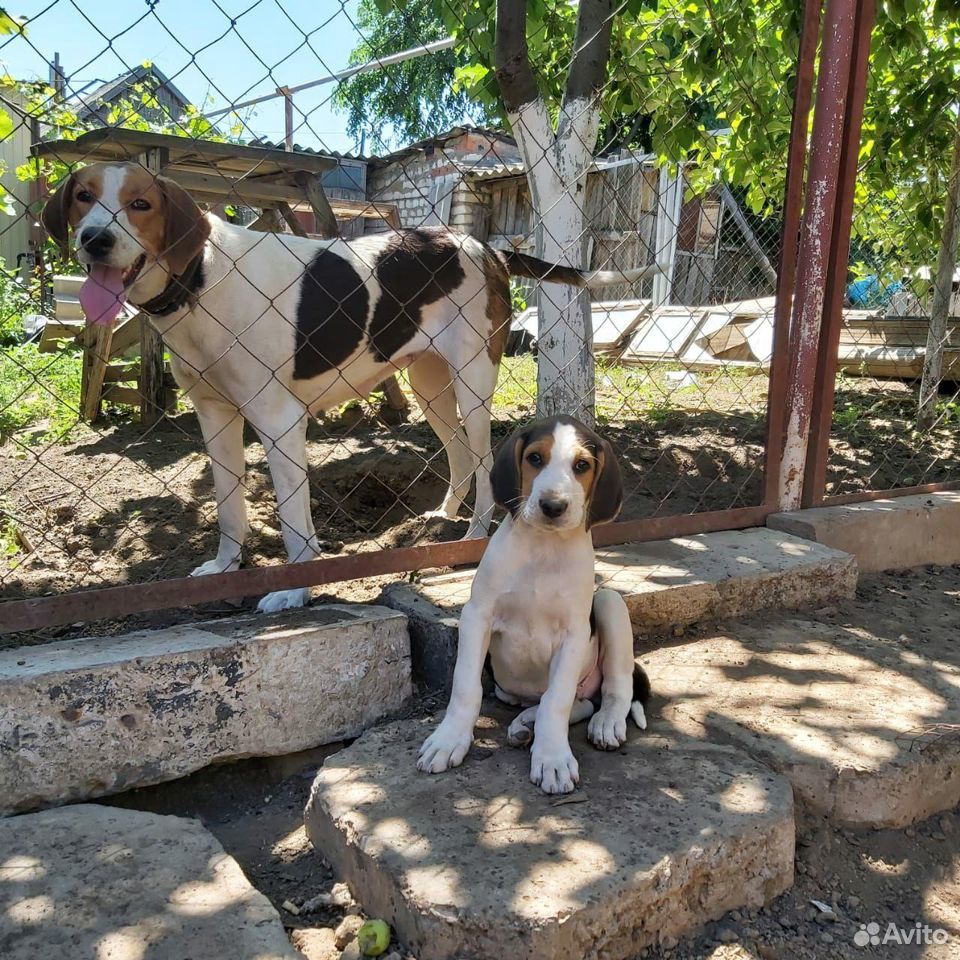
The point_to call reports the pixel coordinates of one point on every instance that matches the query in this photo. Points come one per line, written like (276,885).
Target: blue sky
(272,43)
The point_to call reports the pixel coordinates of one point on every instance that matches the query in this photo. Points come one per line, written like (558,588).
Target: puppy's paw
(283,600)
(554,771)
(444,748)
(519,733)
(608,728)
(216,565)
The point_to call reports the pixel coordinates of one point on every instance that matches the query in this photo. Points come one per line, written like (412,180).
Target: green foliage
(680,70)
(410,100)
(39,391)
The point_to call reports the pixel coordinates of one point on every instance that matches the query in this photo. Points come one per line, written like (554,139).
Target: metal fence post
(817,245)
(815,475)
(789,243)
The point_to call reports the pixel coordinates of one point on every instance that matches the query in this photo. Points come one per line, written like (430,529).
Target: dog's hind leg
(222,427)
(475,384)
(432,383)
(285,441)
(520,731)
(608,726)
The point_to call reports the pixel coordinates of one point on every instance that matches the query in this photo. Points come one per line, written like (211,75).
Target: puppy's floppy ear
(505,475)
(606,498)
(55,214)
(185,227)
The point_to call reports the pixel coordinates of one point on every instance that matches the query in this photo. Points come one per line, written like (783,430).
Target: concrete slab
(661,837)
(884,534)
(665,583)
(95,716)
(868,732)
(93,881)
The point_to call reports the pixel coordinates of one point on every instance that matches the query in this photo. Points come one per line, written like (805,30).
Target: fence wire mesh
(109,431)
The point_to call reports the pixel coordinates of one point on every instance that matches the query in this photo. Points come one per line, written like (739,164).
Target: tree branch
(591,50)
(511,57)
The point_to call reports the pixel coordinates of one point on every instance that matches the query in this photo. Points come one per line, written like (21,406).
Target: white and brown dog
(269,328)
(555,645)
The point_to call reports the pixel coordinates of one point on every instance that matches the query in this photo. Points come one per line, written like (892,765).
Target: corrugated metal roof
(498,171)
(297,148)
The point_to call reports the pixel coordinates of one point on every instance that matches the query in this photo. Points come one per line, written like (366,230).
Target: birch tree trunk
(557,161)
(942,293)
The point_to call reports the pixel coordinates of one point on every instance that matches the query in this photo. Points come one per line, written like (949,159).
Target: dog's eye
(581,466)
(534,459)
(84,196)
(140,204)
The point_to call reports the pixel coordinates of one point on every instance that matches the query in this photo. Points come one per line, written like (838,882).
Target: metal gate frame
(817,213)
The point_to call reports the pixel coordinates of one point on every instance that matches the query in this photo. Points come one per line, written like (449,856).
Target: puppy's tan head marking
(558,474)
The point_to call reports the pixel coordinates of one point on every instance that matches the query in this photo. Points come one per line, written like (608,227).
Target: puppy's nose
(97,242)
(552,507)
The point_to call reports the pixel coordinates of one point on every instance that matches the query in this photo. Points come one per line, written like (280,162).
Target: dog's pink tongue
(102,295)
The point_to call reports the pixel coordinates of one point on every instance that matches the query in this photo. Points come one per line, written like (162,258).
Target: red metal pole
(815,477)
(789,243)
(816,243)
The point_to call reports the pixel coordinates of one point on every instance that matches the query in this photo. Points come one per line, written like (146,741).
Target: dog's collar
(180,290)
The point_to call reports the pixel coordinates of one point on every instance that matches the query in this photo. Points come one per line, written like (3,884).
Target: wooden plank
(95,355)
(326,221)
(296,227)
(394,394)
(121,143)
(118,373)
(128,395)
(269,221)
(126,335)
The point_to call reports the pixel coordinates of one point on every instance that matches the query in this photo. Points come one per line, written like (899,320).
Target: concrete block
(868,732)
(665,583)
(661,837)
(99,715)
(884,534)
(94,881)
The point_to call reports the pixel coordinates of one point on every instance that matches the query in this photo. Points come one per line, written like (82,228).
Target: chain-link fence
(271,352)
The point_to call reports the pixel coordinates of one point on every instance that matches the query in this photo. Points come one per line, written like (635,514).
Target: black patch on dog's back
(331,315)
(417,268)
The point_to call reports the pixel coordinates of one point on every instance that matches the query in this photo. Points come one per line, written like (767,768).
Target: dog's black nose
(553,508)
(97,242)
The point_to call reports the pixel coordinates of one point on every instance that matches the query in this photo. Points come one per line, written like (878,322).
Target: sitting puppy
(556,646)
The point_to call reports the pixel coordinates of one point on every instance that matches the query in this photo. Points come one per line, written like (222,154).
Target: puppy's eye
(581,466)
(534,459)
(84,196)
(140,204)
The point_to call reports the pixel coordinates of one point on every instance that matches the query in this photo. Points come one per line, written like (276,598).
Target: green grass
(39,392)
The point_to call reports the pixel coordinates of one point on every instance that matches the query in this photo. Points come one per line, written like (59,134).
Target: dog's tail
(641,696)
(521,265)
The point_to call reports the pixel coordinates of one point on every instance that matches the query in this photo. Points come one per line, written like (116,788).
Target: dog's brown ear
(606,498)
(185,228)
(55,214)
(505,475)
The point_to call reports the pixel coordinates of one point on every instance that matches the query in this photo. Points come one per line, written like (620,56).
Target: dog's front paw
(608,728)
(216,565)
(283,600)
(444,748)
(554,771)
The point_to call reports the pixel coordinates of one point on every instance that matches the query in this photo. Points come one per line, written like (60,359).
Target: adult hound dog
(268,328)
(555,646)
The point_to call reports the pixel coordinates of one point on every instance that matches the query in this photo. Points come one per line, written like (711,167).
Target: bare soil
(900,877)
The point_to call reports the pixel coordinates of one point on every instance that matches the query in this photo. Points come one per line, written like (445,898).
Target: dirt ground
(904,877)
(120,505)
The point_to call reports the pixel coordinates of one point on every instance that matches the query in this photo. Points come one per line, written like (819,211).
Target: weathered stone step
(868,732)
(99,715)
(665,583)
(884,534)
(96,881)
(661,837)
